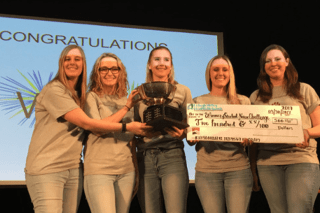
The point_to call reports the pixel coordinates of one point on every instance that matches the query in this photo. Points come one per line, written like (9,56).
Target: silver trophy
(157,95)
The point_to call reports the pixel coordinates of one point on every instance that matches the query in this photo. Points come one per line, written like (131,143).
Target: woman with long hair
(109,172)
(53,168)
(161,159)
(223,176)
(289,173)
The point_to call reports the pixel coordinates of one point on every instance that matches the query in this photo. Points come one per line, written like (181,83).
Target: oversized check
(233,123)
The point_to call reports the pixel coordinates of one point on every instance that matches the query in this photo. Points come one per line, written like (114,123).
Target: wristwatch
(124,127)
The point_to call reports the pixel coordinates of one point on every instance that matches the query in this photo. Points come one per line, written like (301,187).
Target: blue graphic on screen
(29,54)
(26,95)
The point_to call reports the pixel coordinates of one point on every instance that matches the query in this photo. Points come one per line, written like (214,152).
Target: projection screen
(29,51)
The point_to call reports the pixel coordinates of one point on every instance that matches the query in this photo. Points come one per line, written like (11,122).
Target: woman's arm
(314,132)
(79,118)
(116,117)
(176,132)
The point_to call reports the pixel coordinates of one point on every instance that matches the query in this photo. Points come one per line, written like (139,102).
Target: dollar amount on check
(233,123)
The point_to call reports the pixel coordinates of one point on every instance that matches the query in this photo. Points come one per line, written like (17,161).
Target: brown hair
(79,92)
(292,84)
(95,83)
(231,86)
(149,77)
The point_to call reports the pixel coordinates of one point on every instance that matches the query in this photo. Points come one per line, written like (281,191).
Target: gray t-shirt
(181,98)
(218,157)
(109,153)
(56,144)
(282,154)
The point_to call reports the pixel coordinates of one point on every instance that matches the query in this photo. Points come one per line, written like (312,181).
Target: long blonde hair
(79,92)
(149,77)
(95,83)
(231,86)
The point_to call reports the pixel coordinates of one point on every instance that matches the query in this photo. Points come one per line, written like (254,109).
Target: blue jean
(109,193)
(231,189)
(290,188)
(56,192)
(163,172)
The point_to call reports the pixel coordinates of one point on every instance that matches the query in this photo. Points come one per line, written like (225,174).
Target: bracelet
(124,127)
(127,107)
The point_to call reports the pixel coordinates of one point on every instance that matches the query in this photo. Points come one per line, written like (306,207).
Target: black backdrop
(248,28)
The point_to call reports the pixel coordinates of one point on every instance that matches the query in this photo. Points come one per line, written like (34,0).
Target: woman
(223,176)
(53,168)
(289,173)
(161,159)
(109,174)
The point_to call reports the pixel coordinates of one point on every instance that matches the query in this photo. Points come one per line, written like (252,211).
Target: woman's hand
(305,143)
(192,142)
(130,102)
(246,142)
(138,128)
(175,132)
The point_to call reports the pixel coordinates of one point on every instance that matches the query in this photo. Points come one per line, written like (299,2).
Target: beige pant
(109,193)
(56,192)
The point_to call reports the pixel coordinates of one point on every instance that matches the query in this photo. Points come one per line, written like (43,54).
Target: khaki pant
(56,192)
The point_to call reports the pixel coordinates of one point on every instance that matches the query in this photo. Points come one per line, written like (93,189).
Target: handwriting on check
(263,123)
(251,118)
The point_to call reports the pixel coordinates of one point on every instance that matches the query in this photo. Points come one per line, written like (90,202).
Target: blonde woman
(223,176)
(109,172)
(162,163)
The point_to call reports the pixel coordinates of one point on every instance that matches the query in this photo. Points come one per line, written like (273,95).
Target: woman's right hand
(305,143)
(130,103)
(138,128)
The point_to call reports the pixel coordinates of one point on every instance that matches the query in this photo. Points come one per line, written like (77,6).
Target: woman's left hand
(175,132)
(305,143)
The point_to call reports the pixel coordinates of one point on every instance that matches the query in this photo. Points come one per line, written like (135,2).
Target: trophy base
(161,116)
(160,123)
